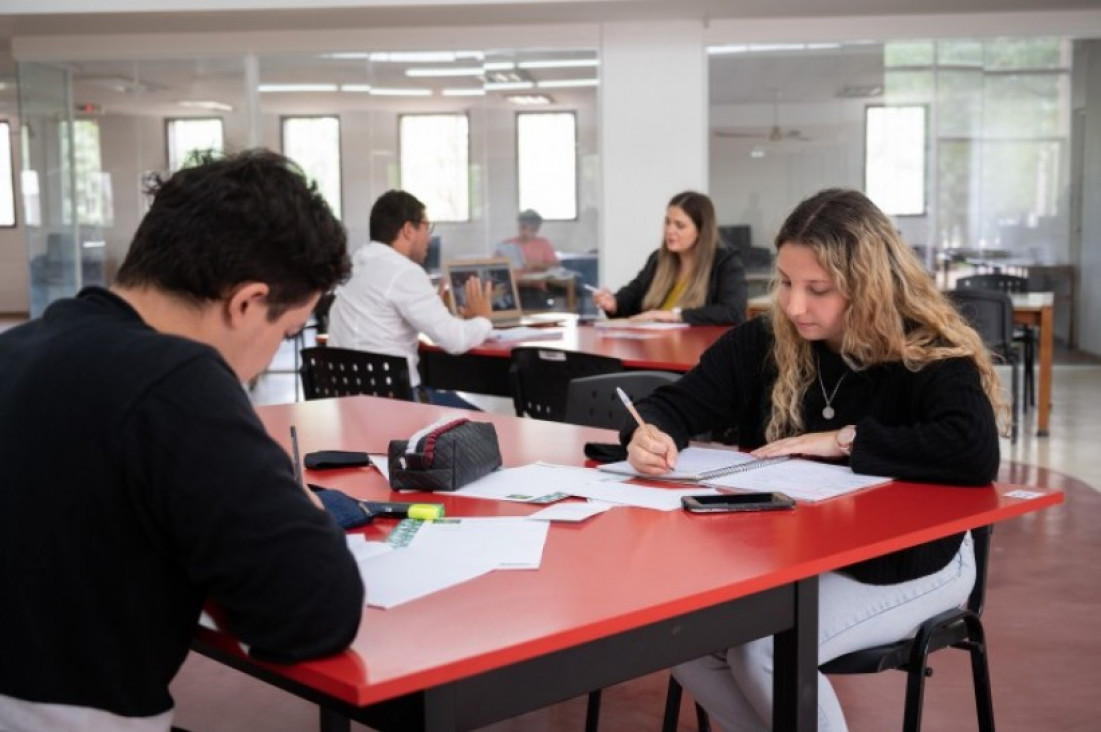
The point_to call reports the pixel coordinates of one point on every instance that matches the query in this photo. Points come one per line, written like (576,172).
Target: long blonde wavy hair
(699,208)
(895,313)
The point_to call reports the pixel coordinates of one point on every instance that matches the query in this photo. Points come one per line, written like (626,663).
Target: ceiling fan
(775,134)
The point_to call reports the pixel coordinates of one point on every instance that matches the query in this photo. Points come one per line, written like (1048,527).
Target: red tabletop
(621,569)
(667,350)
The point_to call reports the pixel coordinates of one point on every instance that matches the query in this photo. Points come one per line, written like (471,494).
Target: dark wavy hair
(391,211)
(228,220)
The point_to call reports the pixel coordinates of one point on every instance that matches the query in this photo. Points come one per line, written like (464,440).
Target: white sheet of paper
(534,483)
(803,480)
(505,542)
(659,499)
(362,549)
(381,461)
(691,461)
(406,574)
(572,511)
(524,333)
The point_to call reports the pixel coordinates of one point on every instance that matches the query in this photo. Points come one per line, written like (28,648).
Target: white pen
(590,288)
(638,417)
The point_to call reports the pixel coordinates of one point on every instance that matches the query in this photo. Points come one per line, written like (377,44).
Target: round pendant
(828,412)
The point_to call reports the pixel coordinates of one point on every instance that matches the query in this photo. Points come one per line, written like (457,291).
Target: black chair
(990,313)
(592,400)
(332,372)
(957,628)
(1023,334)
(539,378)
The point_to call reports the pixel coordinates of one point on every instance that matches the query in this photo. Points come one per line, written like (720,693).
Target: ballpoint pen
(638,418)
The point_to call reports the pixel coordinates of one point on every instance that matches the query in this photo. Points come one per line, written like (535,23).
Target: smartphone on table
(725,502)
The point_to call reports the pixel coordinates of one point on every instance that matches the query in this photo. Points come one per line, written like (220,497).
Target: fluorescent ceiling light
(424,57)
(352,55)
(498,66)
(510,85)
(471,92)
(270,88)
(565,83)
(567,63)
(206,104)
(452,71)
(768,47)
(379,91)
(529,100)
(361,88)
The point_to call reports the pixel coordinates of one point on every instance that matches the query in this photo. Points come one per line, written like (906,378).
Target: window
(546,160)
(434,150)
(314,143)
(94,197)
(188,136)
(894,158)
(7,188)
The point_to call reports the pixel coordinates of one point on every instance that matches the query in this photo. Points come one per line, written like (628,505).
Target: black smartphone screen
(737,502)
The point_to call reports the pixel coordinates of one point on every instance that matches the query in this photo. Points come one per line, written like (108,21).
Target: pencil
(638,418)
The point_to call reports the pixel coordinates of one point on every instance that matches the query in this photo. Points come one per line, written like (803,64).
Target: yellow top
(673,297)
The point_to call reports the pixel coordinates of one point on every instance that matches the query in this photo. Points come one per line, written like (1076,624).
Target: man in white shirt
(389,300)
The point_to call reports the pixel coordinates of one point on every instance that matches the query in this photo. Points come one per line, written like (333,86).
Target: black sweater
(138,482)
(726,292)
(935,425)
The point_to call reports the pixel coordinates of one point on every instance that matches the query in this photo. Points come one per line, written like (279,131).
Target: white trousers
(735,686)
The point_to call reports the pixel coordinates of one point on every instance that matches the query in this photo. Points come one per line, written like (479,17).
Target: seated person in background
(690,278)
(141,481)
(390,300)
(862,360)
(528,252)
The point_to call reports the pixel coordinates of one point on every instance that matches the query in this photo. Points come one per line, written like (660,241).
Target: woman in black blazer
(690,278)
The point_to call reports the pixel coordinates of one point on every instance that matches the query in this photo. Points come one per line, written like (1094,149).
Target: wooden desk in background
(612,600)
(484,369)
(1035,309)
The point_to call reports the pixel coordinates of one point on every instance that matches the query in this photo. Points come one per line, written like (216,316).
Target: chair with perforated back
(592,400)
(990,313)
(332,372)
(1024,334)
(959,628)
(540,377)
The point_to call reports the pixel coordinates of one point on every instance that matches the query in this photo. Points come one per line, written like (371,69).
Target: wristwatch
(844,439)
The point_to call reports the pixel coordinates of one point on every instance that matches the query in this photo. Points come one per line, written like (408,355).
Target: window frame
(169,121)
(576,162)
(401,182)
(339,147)
(6,136)
(926,143)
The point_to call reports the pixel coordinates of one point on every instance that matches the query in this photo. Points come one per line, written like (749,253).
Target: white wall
(653,135)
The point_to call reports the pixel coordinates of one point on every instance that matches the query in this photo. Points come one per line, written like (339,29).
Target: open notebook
(803,480)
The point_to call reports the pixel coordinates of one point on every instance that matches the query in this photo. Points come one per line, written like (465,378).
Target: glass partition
(143,113)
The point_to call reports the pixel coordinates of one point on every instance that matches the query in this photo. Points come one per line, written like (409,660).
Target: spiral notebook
(803,480)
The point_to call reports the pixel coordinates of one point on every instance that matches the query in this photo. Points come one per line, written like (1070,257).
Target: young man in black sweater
(139,482)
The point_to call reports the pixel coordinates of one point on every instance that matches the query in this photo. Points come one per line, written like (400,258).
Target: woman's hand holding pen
(651,451)
(605,300)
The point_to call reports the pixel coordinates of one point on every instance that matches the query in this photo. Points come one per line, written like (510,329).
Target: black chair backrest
(592,400)
(990,313)
(540,378)
(331,372)
(995,281)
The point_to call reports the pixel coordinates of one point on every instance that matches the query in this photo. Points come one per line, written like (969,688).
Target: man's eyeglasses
(431,225)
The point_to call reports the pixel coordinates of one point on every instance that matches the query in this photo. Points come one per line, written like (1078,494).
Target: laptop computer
(505,298)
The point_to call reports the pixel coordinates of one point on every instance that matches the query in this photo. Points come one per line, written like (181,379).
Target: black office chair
(539,378)
(331,372)
(990,313)
(592,400)
(958,628)
(1023,334)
